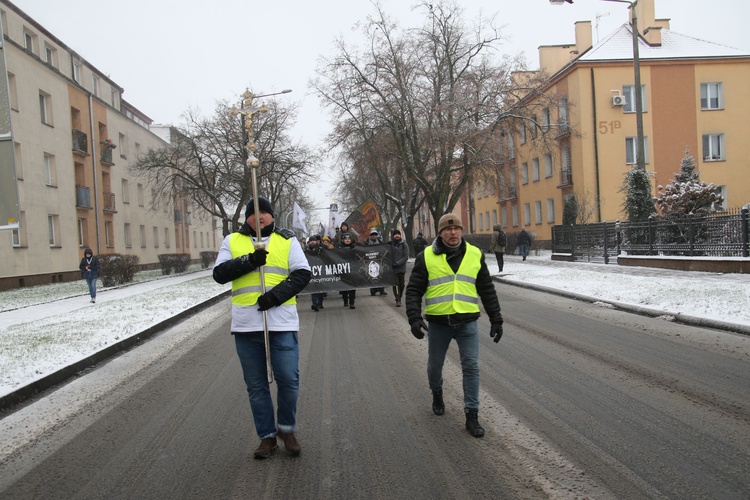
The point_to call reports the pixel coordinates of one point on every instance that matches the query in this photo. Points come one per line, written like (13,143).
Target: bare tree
(435,90)
(206,161)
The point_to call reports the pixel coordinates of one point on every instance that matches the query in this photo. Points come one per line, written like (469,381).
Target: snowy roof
(618,46)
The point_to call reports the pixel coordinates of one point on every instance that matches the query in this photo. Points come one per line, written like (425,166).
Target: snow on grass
(32,350)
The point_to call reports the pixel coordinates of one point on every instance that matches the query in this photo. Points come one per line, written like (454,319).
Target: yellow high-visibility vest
(246,289)
(448,292)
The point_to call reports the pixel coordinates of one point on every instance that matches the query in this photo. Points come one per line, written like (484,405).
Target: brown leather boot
(291,444)
(266,447)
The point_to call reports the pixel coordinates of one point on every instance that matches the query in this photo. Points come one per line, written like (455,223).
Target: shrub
(177,262)
(208,259)
(116,269)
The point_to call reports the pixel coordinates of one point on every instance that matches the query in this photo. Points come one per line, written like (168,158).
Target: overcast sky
(171,55)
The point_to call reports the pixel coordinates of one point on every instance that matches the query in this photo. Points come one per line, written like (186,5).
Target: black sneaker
(315,307)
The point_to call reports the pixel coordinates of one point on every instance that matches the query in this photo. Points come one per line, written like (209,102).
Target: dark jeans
(317,298)
(349,296)
(398,288)
(499,257)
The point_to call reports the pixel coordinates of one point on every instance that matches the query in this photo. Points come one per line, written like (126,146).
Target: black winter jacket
(419,279)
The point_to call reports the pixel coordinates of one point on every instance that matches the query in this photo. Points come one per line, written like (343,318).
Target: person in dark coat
(349,295)
(419,244)
(375,239)
(399,257)
(89,266)
(523,242)
(452,276)
(497,245)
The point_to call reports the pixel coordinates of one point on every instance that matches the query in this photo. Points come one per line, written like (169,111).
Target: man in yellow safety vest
(286,273)
(452,276)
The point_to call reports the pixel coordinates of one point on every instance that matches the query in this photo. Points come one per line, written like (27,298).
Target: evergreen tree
(639,204)
(687,194)
(570,210)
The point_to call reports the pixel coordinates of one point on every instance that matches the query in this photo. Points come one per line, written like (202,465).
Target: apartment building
(73,139)
(695,98)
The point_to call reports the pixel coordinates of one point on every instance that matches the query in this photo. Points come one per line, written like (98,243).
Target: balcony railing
(83,197)
(80,142)
(109,203)
(107,157)
(566,177)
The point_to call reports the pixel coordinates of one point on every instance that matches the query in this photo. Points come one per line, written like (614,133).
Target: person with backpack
(497,245)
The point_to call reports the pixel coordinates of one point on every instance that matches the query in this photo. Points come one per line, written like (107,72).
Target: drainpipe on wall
(596,149)
(96,177)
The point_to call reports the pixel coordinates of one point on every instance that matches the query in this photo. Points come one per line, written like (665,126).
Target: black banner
(350,268)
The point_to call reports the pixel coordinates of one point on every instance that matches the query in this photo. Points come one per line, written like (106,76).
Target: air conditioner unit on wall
(618,100)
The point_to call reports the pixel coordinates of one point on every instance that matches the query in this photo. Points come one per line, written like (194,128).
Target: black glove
(252,261)
(418,328)
(267,301)
(496,331)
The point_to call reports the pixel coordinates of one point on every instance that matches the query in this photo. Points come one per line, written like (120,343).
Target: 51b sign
(609,127)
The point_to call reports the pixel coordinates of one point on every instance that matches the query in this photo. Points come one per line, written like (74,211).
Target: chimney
(584,40)
(646,13)
(652,35)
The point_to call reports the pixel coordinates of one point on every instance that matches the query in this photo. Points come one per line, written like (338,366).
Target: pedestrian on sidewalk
(399,257)
(349,295)
(497,245)
(89,266)
(452,276)
(419,244)
(286,273)
(523,241)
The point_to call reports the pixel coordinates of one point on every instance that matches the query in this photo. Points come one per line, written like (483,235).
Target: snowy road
(578,401)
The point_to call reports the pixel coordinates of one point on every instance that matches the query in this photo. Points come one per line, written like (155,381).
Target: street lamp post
(247,111)
(640,146)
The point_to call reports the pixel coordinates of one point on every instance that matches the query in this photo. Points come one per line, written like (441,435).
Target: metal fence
(715,235)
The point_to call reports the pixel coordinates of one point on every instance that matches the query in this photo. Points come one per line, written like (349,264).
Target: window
(545,119)
(712,96)
(538,211)
(548,165)
(45,107)
(53,229)
(202,239)
(562,112)
(628,91)
(487,219)
(526,214)
(535,169)
(77,71)
(512,183)
(631,149)
(50,174)
(123,147)
(128,243)
(19,162)
(50,55)
(481,220)
(533,124)
(494,217)
(195,239)
(156,237)
(137,150)
(713,147)
(18,235)
(125,191)
(550,210)
(524,173)
(12,92)
(142,232)
(504,216)
(511,146)
(166,237)
(29,41)
(522,133)
(139,189)
(95,84)
(566,173)
(514,214)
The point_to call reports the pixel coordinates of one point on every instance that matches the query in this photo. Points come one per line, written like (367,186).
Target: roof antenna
(598,17)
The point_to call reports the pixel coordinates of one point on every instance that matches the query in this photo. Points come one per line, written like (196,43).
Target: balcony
(83,197)
(107,157)
(109,203)
(80,143)
(566,177)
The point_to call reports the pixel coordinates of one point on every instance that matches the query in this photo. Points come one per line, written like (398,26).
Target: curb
(63,374)
(685,319)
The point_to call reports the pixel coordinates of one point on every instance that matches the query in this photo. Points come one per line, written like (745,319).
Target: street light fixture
(640,146)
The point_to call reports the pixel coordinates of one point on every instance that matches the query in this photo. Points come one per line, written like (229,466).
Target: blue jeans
(466,335)
(285,361)
(523,250)
(317,298)
(91,282)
